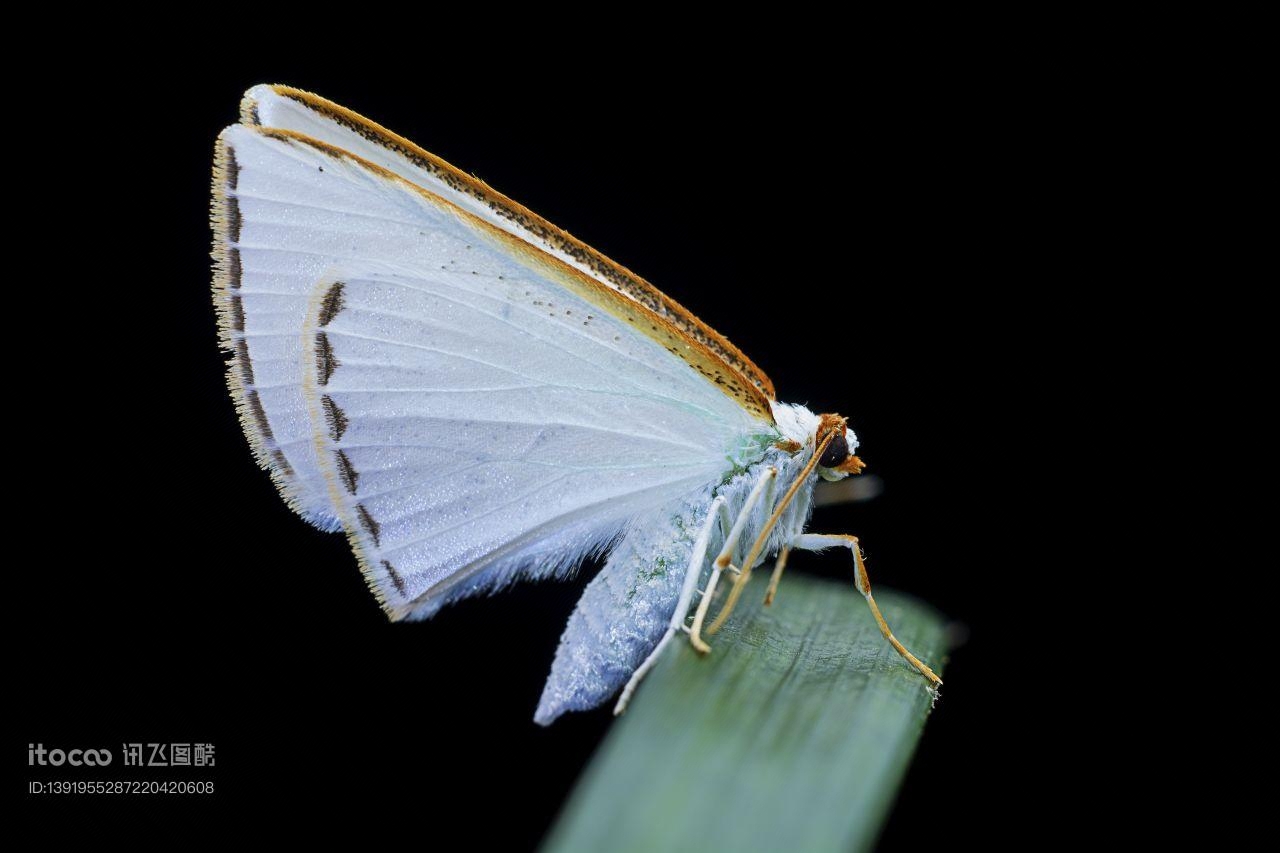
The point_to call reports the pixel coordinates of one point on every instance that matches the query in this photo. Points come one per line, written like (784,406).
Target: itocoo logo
(37,754)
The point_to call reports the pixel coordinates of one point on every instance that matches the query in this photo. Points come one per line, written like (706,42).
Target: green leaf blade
(794,734)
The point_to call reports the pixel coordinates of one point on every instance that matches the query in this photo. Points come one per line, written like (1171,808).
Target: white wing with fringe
(458,400)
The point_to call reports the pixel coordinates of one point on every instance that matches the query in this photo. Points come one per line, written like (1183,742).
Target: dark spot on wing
(233,170)
(242,359)
(370,525)
(348,474)
(233,219)
(258,414)
(277,457)
(326,362)
(396,580)
(334,417)
(233,267)
(332,303)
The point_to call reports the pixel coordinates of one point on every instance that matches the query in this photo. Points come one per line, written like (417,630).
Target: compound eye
(836,451)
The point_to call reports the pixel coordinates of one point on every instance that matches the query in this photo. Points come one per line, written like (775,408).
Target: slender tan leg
(819,541)
(777,574)
(724,560)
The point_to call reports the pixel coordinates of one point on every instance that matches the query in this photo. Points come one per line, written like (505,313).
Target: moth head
(836,461)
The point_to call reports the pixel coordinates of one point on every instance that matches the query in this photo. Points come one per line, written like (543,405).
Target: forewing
(302,112)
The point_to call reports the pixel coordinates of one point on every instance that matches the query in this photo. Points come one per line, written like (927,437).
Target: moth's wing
(470,406)
(293,109)
(262,283)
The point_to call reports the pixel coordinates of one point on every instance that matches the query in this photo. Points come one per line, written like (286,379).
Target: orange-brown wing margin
(526,224)
(646,321)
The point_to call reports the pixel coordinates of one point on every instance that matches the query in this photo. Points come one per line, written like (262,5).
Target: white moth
(476,397)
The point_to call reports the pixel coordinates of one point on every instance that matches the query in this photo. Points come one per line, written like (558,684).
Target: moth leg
(820,541)
(697,559)
(767,500)
(777,574)
(726,527)
(724,559)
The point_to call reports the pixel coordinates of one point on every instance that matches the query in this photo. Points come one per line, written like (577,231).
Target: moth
(475,397)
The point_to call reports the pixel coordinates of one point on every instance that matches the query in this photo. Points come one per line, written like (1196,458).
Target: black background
(863,232)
